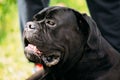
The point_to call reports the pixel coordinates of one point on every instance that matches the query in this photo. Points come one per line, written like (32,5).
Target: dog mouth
(35,55)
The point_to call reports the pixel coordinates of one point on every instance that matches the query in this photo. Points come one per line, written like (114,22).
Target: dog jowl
(70,45)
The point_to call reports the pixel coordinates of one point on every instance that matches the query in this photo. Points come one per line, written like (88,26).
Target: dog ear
(89,29)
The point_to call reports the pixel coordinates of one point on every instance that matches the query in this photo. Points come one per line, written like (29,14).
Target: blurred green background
(13,64)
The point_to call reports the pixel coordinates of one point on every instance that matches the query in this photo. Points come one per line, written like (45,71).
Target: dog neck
(96,63)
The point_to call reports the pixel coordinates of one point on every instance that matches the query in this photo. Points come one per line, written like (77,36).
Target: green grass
(13,64)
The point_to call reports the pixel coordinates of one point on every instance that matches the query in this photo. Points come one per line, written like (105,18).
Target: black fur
(84,53)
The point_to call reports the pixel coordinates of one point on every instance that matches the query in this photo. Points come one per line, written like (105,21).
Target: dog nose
(30,25)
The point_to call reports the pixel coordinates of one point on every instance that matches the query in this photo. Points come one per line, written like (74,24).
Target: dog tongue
(33,48)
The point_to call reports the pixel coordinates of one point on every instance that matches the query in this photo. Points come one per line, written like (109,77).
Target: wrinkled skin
(70,45)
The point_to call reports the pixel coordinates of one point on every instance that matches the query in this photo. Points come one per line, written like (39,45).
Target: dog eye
(50,23)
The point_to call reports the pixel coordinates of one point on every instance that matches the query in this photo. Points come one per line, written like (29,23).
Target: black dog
(70,46)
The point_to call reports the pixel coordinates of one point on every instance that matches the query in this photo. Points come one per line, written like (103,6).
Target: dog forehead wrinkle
(67,16)
(56,10)
(42,13)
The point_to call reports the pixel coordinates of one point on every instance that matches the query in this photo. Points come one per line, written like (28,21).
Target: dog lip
(31,47)
(26,42)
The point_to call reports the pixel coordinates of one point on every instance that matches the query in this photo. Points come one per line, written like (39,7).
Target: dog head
(59,35)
